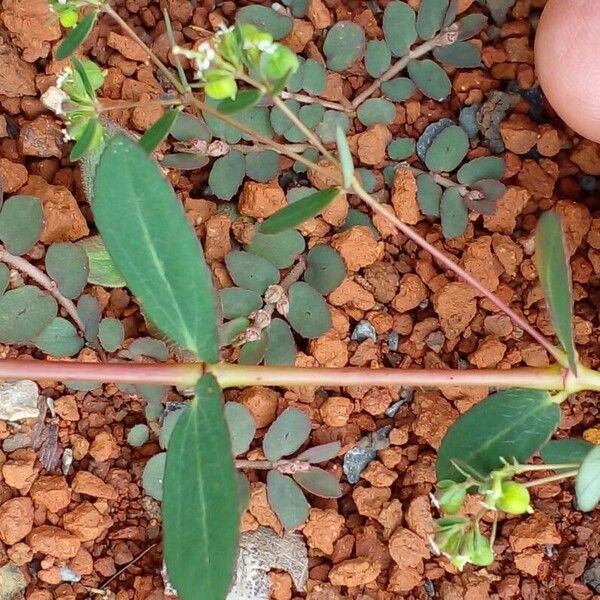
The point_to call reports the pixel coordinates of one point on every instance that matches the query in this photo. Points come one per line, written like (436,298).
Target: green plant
(151,246)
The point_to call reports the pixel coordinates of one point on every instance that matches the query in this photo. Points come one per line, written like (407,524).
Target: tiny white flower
(62,1)
(62,77)
(66,136)
(266,47)
(222,30)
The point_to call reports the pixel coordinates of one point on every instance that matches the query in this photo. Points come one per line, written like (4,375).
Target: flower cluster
(239,52)
(67,12)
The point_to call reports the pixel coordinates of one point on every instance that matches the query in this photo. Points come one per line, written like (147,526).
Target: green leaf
(200,506)
(344,44)
(138,435)
(320,454)
(21,223)
(398,89)
(89,137)
(554,272)
(152,139)
(82,73)
(286,434)
(356,217)
(376,110)
(76,36)
(327,128)
(262,166)
(243,100)
(314,77)
(430,18)
(367,179)
(447,150)
(429,195)
(102,269)
(454,213)
(219,128)
(59,338)
(238,302)
(587,482)
(401,149)
(90,314)
(149,347)
(325,269)
(492,191)
(298,212)
(399,27)
(168,425)
(318,482)
(241,425)
(4,278)
(484,167)
(184,161)
(571,450)
(430,78)
(153,476)
(153,245)
(471,25)
(345,158)
(187,128)
(24,313)
(281,348)
(111,334)
(251,272)
(67,265)
(309,314)
(227,175)
(378,58)
(265,19)
(229,332)
(512,424)
(460,54)
(242,492)
(252,353)
(280,249)
(286,499)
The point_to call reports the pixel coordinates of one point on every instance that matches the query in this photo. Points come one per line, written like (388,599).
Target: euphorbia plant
(144,228)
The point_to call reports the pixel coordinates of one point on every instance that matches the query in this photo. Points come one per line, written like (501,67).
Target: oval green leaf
(308,314)
(200,504)
(252,353)
(376,110)
(59,338)
(286,499)
(399,27)
(67,264)
(484,167)
(184,161)
(567,451)
(430,78)
(265,19)
(280,249)
(281,348)
(111,334)
(587,482)
(398,89)
(227,174)
(241,425)
(322,453)
(447,150)
(319,482)
(377,58)
(453,213)
(102,269)
(430,18)
(188,127)
(429,195)
(90,314)
(239,302)
(24,313)
(512,424)
(295,214)
(344,45)
(153,245)
(462,55)
(21,221)
(250,271)
(262,166)
(325,269)
(243,100)
(287,433)
(153,476)
(554,272)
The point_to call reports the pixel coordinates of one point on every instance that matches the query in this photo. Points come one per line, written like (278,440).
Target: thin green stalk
(551,479)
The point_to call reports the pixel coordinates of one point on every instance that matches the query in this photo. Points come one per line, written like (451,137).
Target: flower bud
(515,498)
(280,63)
(482,554)
(450,496)
(273,294)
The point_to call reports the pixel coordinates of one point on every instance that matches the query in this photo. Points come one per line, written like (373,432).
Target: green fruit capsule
(68,18)
(482,554)
(280,63)
(515,498)
(219,89)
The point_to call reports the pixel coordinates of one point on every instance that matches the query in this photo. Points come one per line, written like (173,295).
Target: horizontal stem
(242,375)
(551,479)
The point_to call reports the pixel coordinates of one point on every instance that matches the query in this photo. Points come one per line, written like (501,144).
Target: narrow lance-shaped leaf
(300,211)
(90,134)
(83,74)
(77,36)
(243,100)
(345,157)
(159,131)
(145,230)
(200,505)
(555,277)
(509,424)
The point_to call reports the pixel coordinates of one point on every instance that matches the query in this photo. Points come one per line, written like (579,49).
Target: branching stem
(19,263)
(551,478)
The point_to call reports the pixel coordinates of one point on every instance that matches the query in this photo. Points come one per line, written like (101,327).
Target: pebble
(53,541)
(51,492)
(429,134)
(16,520)
(41,137)
(591,575)
(19,400)
(363,330)
(104,447)
(90,485)
(262,403)
(358,457)
(261,200)
(467,119)
(12,175)
(393,339)
(355,571)
(357,247)
(86,522)
(322,529)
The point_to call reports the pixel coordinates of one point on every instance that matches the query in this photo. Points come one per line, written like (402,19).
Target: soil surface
(371,544)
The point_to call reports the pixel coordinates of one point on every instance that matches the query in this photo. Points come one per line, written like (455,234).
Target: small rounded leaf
(286,499)
(149,347)
(187,128)
(281,348)
(454,214)
(90,313)
(153,475)
(308,314)
(262,166)
(376,110)
(184,161)
(238,302)
(430,78)
(241,427)
(227,174)
(21,223)
(322,453)
(111,334)
(484,167)
(344,45)
(101,268)
(280,249)
(429,195)
(447,150)
(587,483)
(377,58)
(250,271)
(287,433)
(398,89)
(24,313)
(252,353)
(430,18)
(138,435)
(462,55)
(229,332)
(59,338)
(265,19)
(319,482)
(67,264)
(401,149)
(565,451)
(325,269)
(399,27)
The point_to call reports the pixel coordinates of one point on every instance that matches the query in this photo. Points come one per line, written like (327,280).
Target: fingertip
(567,48)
